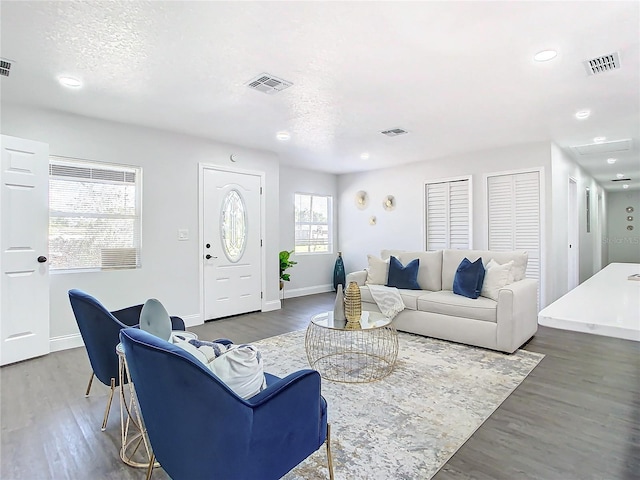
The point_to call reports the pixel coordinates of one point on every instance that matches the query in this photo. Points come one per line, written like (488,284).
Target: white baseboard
(271,306)
(192,320)
(65,342)
(301,292)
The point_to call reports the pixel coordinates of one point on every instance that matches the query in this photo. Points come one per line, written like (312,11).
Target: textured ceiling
(459,76)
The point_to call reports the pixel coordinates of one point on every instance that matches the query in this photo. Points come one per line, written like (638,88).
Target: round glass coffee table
(352,353)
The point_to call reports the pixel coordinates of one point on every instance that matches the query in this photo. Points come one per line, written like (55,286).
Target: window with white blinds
(313,223)
(448,215)
(514,216)
(94,215)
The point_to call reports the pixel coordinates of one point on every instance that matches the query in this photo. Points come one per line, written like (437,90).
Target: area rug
(407,425)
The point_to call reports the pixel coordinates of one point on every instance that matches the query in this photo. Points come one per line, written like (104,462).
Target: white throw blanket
(388,300)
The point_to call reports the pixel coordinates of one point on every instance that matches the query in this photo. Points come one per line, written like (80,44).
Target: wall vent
(5,67)
(268,84)
(615,146)
(602,64)
(394,132)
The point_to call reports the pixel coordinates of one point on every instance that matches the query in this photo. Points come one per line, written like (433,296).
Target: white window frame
(448,180)
(329,223)
(116,257)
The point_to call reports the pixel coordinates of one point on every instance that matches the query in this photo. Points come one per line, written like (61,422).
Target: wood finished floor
(577,416)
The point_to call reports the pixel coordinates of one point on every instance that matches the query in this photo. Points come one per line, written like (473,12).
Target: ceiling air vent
(621,180)
(5,67)
(602,64)
(615,146)
(268,84)
(394,132)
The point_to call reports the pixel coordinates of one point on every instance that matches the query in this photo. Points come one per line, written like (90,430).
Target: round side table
(136,448)
(360,353)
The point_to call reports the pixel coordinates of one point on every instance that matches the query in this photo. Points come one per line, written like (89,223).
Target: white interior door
(514,217)
(231,237)
(572,228)
(24,213)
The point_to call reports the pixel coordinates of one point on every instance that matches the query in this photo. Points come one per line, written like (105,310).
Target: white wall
(170,268)
(314,272)
(589,243)
(403,227)
(624,245)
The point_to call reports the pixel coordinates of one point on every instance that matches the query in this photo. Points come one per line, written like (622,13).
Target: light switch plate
(183,234)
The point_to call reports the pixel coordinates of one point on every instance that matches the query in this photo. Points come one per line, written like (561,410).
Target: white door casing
(232,258)
(515,217)
(448,213)
(573,236)
(24,213)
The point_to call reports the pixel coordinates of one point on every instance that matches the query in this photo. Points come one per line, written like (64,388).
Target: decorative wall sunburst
(362,199)
(389,203)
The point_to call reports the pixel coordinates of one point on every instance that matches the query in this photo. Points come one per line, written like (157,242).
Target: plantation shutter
(514,216)
(447,215)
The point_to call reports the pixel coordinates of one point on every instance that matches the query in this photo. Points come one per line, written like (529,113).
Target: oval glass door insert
(233,226)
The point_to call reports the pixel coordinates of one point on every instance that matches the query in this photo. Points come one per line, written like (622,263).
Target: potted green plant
(285,263)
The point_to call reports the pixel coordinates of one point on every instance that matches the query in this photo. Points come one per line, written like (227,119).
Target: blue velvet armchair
(100,331)
(200,429)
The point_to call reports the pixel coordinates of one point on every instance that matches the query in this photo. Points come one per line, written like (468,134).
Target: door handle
(42,259)
(209,257)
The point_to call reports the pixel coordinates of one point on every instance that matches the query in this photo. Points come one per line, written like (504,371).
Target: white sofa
(435,311)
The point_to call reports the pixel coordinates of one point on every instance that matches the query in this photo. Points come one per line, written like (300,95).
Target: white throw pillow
(238,366)
(496,276)
(378,271)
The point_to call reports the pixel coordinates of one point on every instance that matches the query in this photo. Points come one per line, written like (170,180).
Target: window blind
(313,223)
(94,215)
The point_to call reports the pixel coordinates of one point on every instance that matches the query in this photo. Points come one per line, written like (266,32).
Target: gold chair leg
(86,394)
(106,412)
(329,458)
(152,461)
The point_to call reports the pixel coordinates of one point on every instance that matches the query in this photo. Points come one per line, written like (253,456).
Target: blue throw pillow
(469,278)
(403,277)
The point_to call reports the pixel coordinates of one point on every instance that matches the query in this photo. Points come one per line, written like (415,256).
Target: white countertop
(605,304)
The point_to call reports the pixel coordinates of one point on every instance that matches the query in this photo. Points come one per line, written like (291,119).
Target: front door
(24,213)
(231,237)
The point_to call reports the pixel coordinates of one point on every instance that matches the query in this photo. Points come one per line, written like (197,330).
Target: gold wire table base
(136,449)
(351,355)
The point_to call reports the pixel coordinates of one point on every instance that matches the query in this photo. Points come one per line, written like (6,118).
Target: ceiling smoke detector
(268,84)
(394,132)
(5,67)
(602,64)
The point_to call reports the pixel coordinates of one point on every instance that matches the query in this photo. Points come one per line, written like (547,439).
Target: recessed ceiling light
(611,161)
(582,114)
(545,55)
(620,175)
(364,156)
(599,139)
(283,136)
(625,186)
(70,82)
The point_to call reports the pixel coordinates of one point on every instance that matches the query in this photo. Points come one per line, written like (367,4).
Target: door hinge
(260,242)
(260,294)
(260,190)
